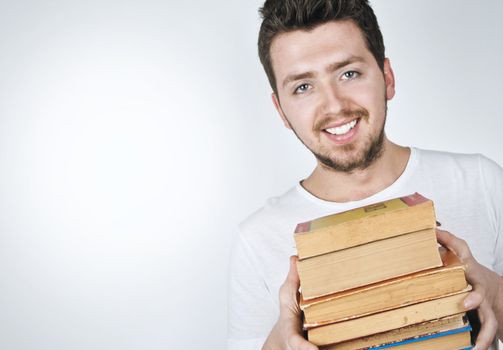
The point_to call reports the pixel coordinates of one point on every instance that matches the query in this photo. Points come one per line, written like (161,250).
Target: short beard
(373,153)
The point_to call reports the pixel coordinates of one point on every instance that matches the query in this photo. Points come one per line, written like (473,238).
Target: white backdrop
(135,135)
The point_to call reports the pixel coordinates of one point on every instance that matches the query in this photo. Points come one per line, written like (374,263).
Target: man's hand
(486,288)
(287,332)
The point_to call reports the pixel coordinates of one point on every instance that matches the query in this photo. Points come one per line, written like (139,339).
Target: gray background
(135,135)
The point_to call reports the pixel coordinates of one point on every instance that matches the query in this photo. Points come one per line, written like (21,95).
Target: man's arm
(287,332)
(251,307)
(487,293)
(498,309)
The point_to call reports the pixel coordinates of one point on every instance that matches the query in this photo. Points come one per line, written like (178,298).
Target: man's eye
(302,88)
(350,75)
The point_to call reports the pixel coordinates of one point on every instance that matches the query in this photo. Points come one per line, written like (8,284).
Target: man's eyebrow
(338,65)
(331,68)
(299,76)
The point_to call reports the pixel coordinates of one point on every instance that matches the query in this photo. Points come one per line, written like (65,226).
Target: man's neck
(337,186)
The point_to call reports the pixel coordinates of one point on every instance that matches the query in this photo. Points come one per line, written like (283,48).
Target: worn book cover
(457,323)
(389,294)
(369,263)
(362,225)
(388,320)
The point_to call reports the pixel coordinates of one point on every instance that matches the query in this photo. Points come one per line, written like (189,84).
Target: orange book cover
(457,323)
(368,263)
(388,320)
(389,294)
(365,224)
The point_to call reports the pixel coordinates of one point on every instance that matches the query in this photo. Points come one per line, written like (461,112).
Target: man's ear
(389,79)
(277,105)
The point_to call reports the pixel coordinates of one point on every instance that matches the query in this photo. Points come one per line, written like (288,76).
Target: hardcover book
(369,263)
(386,295)
(404,335)
(451,340)
(388,320)
(363,225)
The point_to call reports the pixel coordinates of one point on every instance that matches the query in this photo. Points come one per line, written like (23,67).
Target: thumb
(454,244)
(293,276)
(289,291)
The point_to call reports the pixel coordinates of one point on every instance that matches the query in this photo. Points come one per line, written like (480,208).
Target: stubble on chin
(368,155)
(371,151)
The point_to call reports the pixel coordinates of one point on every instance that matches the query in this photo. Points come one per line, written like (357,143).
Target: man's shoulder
(457,172)
(275,210)
(277,219)
(459,161)
(434,155)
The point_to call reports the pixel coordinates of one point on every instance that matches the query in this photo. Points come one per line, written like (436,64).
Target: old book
(388,320)
(404,334)
(363,225)
(389,294)
(368,263)
(458,339)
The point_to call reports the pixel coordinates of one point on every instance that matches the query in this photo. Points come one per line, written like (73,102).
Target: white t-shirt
(467,191)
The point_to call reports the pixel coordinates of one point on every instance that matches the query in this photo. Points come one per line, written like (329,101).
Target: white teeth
(341,130)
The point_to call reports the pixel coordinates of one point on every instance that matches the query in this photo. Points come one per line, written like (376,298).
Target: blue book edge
(467,328)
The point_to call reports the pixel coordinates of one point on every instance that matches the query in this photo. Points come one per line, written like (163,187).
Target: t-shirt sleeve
(492,176)
(250,303)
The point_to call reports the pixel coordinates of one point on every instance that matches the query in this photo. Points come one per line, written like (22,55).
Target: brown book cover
(454,341)
(388,320)
(363,225)
(368,263)
(394,336)
(389,294)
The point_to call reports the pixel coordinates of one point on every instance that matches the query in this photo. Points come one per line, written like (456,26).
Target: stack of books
(374,277)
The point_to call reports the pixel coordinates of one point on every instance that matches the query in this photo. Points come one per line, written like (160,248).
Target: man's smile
(342,129)
(343,132)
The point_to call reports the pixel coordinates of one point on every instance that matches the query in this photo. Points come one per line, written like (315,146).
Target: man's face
(332,93)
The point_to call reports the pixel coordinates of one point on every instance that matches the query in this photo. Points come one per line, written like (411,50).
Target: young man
(331,82)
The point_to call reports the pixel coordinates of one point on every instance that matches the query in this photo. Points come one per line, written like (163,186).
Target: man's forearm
(498,308)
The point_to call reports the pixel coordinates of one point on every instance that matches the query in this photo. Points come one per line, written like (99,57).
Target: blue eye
(349,75)
(302,88)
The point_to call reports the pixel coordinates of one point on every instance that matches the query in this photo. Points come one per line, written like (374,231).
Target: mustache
(346,113)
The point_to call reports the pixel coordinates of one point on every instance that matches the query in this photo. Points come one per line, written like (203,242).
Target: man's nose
(333,99)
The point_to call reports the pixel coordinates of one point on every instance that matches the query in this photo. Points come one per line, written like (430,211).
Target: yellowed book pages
(395,335)
(368,263)
(388,320)
(449,342)
(363,225)
(389,294)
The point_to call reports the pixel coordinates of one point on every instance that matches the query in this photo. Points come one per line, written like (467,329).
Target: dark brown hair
(281,16)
